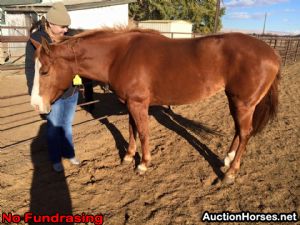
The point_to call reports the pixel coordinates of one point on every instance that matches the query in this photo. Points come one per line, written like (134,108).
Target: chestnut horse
(145,68)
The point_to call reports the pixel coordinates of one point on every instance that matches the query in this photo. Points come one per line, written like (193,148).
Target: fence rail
(287,46)
(12,43)
(12,47)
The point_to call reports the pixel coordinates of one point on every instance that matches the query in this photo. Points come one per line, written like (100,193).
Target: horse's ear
(35,43)
(45,45)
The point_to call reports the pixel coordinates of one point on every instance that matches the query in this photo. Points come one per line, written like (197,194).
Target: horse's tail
(266,109)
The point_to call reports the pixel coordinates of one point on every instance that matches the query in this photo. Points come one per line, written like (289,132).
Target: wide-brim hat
(58,15)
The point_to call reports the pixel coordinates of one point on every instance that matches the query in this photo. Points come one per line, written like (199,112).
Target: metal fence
(287,46)
(12,44)
(12,47)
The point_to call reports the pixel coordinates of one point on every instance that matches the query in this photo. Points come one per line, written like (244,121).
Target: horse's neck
(94,60)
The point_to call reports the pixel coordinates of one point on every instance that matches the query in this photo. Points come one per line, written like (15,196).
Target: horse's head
(53,74)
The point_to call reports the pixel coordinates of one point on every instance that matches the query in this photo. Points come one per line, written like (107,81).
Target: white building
(169,28)
(85,14)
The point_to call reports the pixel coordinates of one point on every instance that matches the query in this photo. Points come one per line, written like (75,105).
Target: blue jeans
(59,128)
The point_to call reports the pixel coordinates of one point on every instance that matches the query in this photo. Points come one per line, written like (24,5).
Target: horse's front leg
(132,140)
(139,112)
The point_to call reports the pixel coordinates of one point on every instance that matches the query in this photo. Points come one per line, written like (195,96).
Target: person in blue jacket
(60,119)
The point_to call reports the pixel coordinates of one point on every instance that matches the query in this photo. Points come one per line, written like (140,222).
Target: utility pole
(217,16)
(264,23)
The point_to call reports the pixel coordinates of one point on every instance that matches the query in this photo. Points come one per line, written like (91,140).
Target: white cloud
(249,3)
(246,15)
(295,32)
(289,10)
(237,3)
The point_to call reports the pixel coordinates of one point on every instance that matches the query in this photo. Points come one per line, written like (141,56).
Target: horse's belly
(185,94)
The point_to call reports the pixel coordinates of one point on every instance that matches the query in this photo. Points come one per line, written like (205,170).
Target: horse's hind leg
(132,140)
(243,119)
(139,112)
(235,142)
(232,151)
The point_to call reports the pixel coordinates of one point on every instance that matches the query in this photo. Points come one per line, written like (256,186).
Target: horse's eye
(44,72)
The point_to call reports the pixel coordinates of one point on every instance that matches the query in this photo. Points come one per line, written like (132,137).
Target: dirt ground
(181,182)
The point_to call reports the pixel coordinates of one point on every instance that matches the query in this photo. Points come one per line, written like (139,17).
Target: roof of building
(71,5)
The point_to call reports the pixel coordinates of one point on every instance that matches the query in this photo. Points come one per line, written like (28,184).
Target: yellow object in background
(77,80)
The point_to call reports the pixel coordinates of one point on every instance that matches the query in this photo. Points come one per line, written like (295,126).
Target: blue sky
(282,15)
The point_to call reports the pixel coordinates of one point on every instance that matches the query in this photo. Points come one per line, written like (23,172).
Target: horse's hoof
(229,179)
(141,169)
(127,159)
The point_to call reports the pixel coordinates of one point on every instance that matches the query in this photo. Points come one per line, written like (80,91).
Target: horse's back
(182,71)
(250,46)
(173,71)
(251,64)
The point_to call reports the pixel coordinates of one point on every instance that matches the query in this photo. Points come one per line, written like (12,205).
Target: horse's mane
(115,30)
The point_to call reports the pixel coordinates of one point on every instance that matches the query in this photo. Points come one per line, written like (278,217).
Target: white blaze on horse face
(36,99)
